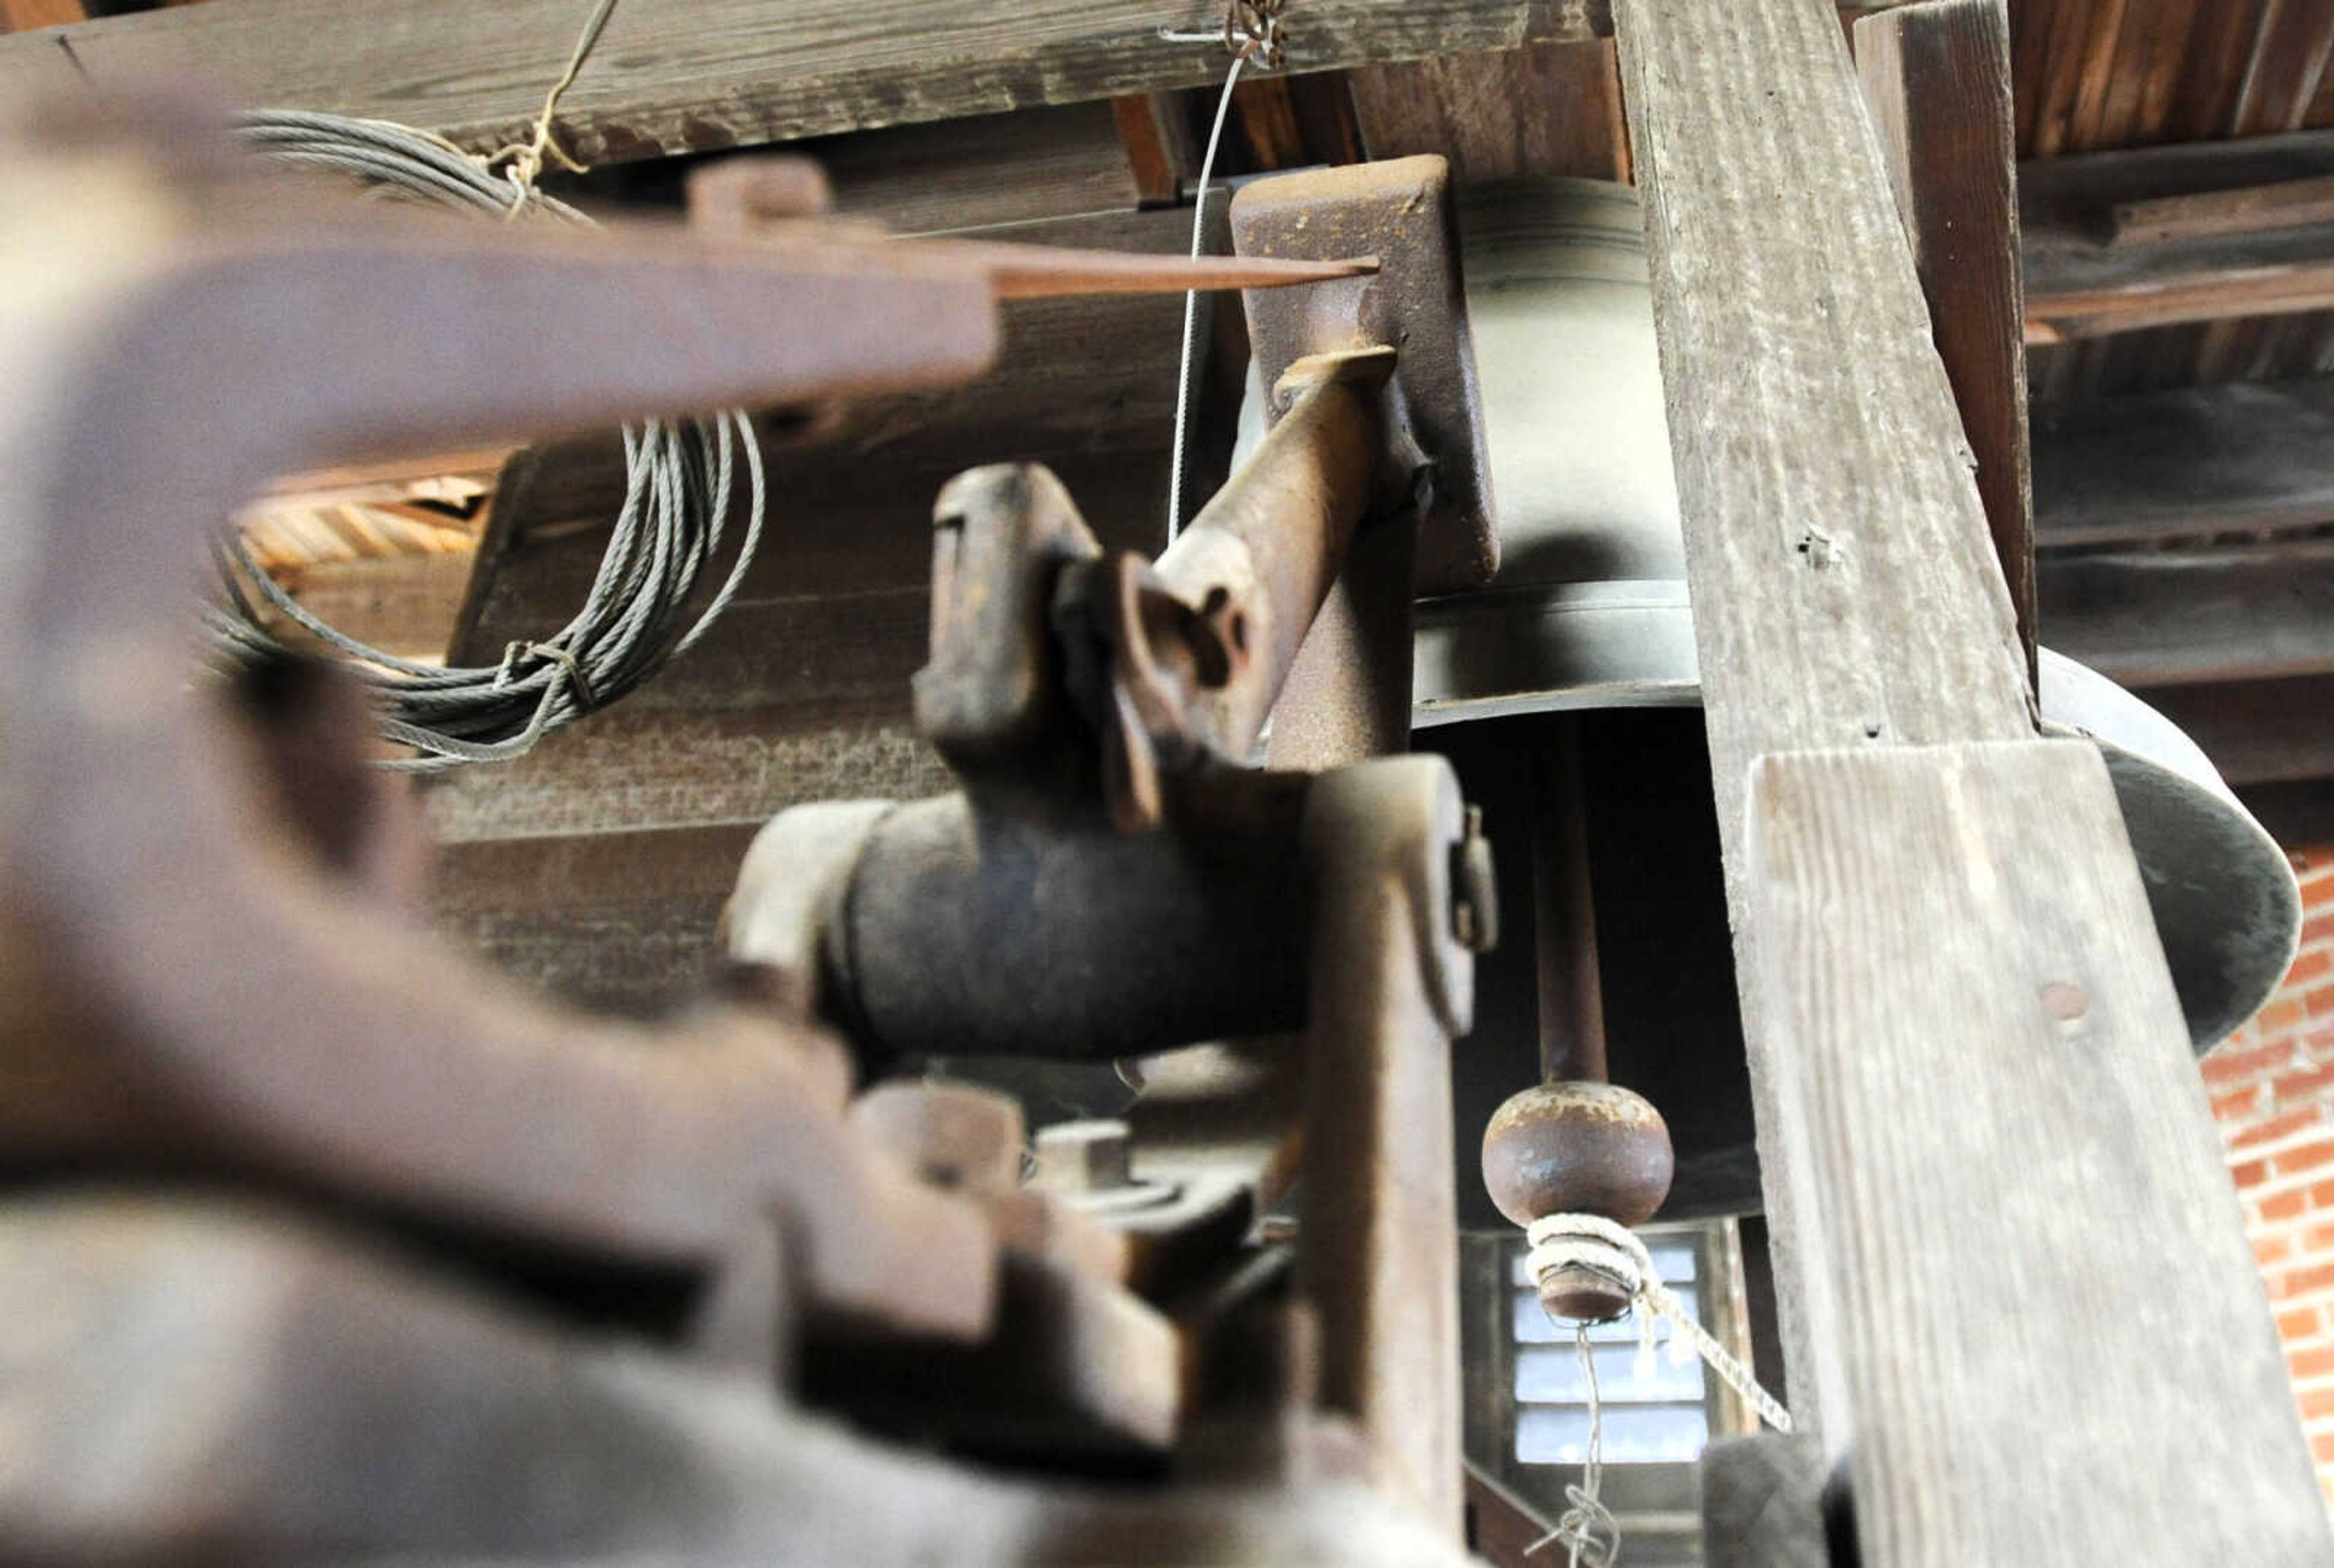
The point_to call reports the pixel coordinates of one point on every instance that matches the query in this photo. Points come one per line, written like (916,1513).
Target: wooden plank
(2194,462)
(1938,1103)
(1844,589)
(2079,282)
(1548,108)
(2175,616)
(2249,209)
(1844,584)
(1160,153)
(981,171)
(1936,76)
(2030,1272)
(672,76)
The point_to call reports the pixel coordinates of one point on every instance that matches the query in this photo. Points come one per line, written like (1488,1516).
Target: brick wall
(2272,1088)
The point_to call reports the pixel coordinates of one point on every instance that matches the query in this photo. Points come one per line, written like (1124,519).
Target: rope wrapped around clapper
(1592,1241)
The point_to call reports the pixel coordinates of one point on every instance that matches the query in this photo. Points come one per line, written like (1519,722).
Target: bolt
(1474,889)
(1083,1157)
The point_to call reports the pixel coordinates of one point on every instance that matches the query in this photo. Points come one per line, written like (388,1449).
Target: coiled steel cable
(675,519)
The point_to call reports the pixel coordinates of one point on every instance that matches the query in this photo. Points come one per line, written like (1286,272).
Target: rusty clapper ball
(1578,1148)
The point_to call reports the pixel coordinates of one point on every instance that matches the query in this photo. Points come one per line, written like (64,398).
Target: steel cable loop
(680,488)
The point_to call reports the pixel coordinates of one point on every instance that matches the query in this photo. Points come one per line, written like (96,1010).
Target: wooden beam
(2172,618)
(2249,209)
(2030,1251)
(2240,458)
(1936,77)
(1547,109)
(1994,1186)
(2085,277)
(672,76)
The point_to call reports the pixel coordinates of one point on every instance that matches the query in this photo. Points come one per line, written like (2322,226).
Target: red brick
(2284,1124)
(2310,1363)
(2237,1108)
(2297,1325)
(2318,1003)
(2322,1447)
(2229,1067)
(2274,1022)
(2305,1281)
(2251,1173)
(2320,926)
(2317,1403)
(2322,1196)
(2271,1249)
(2317,1238)
(2312,1082)
(2308,1156)
(2312,964)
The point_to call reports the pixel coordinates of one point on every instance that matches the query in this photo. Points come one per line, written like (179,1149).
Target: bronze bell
(1589,618)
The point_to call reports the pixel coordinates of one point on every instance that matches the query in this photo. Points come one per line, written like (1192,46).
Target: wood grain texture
(673,76)
(2080,280)
(1936,77)
(2027,1280)
(1843,584)
(1548,109)
(2244,456)
(1844,587)
(2176,616)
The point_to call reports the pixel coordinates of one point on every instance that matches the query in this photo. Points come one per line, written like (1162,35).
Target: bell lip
(1629,644)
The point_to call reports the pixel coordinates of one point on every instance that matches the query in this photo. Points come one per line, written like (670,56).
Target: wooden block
(2023,1268)
(1936,77)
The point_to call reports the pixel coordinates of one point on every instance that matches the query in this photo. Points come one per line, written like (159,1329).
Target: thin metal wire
(1192,305)
(682,484)
(1587,1528)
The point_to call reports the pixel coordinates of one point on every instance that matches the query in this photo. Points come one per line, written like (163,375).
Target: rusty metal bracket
(1399,211)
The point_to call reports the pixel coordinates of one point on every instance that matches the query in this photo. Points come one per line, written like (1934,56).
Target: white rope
(1591,1241)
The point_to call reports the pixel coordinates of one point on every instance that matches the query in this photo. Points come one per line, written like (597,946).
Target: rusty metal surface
(1348,695)
(781,200)
(1397,210)
(246,1385)
(1261,555)
(528,1277)
(967,933)
(1379,1248)
(288,1027)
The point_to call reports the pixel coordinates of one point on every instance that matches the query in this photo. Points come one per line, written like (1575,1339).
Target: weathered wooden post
(2019,1299)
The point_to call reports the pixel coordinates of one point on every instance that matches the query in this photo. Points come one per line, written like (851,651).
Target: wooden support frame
(672,76)
(1936,78)
(2012,1265)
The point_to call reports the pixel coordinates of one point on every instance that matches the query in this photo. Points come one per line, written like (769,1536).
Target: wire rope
(681,487)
